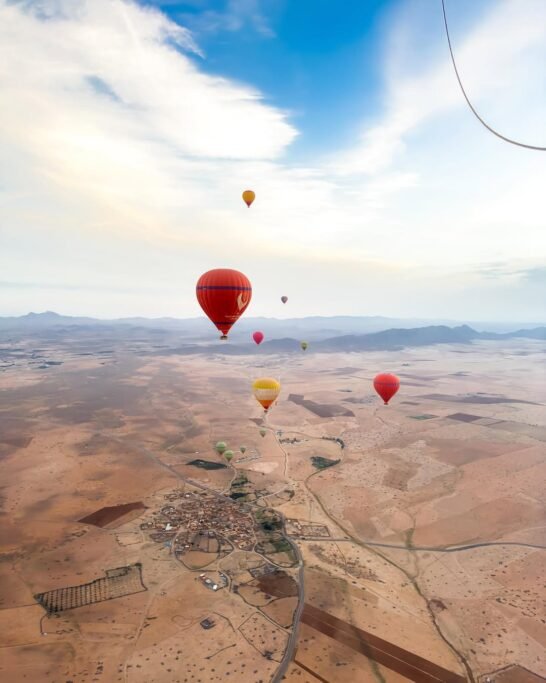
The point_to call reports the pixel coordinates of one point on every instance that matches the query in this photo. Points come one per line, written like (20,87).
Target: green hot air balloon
(263,432)
(242,449)
(220,447)
(304,345)
(228,455)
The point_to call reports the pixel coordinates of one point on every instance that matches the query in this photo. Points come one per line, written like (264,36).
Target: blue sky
(307,57)
(129,129)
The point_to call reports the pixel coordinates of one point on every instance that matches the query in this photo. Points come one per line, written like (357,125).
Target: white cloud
(123,164)
(235,16)
(502,62)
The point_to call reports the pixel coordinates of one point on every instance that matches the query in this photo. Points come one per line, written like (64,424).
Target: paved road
(293,639)
(427,548)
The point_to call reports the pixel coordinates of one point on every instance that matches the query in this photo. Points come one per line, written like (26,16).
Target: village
(202,521)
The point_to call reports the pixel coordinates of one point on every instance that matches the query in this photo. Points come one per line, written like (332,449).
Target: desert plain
(352,542)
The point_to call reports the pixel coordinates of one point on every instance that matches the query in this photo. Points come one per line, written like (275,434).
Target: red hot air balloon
(258,337)
(224,295)
(386,385)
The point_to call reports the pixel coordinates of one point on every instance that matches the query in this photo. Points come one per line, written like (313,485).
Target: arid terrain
(353,542)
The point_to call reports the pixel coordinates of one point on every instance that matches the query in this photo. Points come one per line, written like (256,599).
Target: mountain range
(196,335)
(385,340)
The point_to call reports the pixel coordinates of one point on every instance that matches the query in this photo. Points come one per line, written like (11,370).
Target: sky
(128,131)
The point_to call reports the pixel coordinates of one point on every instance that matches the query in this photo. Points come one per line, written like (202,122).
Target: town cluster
(193,514)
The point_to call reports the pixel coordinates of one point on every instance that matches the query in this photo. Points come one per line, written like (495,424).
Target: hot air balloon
(304,345)
(242,449)
(386,386)
(220,447)
(258,337)
(228,455)
(248,197)
(263,432)
(266,391)
(284,299)
(224,295)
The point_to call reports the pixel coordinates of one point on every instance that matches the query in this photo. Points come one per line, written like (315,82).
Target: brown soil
(282,611)
(279,584)
(403,662)
(110,514)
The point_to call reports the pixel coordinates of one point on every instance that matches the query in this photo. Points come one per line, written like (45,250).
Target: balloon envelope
(220,447)
(386,385)
(248,197)
(263,432)
(228,455)
(258,337)
(224,295)
(284,299)
(266,390)
(304,345)
(242,449)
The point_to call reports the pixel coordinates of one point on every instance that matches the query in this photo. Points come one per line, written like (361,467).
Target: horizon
(463,321)
(376,189)
(243,326)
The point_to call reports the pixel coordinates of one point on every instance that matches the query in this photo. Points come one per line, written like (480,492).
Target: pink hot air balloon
(258,337)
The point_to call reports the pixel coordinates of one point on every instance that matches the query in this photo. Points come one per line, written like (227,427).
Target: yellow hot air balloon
(248,197)
(304,345)
(266,391)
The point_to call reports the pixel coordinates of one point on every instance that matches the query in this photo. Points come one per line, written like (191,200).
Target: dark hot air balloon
(258,337)
(284,299)
(224,295)
(386,385)
(304,345)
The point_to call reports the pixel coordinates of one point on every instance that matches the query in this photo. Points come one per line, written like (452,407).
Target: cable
(502,137)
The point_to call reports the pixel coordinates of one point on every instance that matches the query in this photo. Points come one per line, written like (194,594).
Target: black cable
(502,137)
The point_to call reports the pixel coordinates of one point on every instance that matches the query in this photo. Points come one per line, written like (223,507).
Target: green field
(322,463)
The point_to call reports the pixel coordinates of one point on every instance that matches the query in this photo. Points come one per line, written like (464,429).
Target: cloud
(155,88)
(496,72)
(124,161)
(236,16)
(536,276)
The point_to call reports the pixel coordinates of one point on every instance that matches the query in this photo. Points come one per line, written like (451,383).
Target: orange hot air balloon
(258,337)
(266,391)
(248,197)
(224,295)
(386,385)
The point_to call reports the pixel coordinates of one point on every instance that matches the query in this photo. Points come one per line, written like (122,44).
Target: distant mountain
(380,341)
(398,338)
(313,328)
(194,335)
